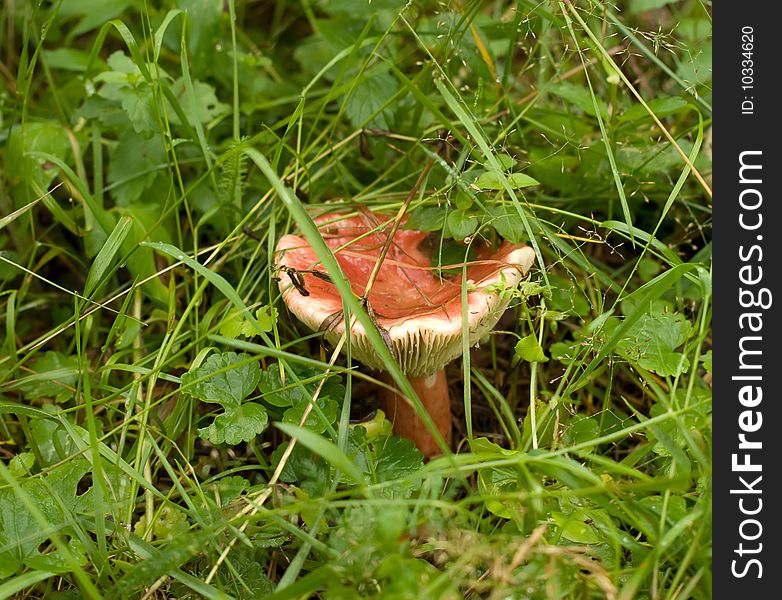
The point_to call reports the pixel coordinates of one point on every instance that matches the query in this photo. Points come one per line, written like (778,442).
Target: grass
(169,430)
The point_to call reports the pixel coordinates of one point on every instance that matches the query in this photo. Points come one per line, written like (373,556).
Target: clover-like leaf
(235,425)
(307,470)
(236,325)
(229,488)
(266,316)
(290,393)
(124,84)
(232,327)
(226,379)
(57,500)
(386,459)
(395,458)
(326,405)
(653,340)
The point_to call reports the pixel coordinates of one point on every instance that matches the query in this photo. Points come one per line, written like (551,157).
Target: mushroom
(417,310)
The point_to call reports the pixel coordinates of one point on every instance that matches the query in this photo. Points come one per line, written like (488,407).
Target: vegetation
(167,430)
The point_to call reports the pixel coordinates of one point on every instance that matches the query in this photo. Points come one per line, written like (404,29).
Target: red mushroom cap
(420,311)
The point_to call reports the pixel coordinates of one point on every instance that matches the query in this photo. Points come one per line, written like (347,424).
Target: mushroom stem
(433,392)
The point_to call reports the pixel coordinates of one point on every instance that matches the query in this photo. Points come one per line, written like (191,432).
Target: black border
(734,133)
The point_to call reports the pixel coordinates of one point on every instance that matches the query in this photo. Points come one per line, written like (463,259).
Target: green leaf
(579,96)
(55,497)
(375,427)
(134,165)
(528,348)
(226,379)
(138,103)
(230,487)
(266,316)
(640,6)
(696,68)
(363,106)
(315,422)
(461,224)
(291,393)
(651,158)
(642,296)
(55,373)
(652,341)
(121,65)
(564,352)
(567,296)
(246,574)
(237,424)
(395,458)
(204,30)
(232,326)
(662,107)
(497,481)
(668,440)
(26,172)
(573,527)
(93,14)
(20,464)
(67,59)
(126,85)
(324,448)
(565,171)
(491,181)
(426,218)
(706,360)
(51,441)
(507,223)
(170,523)
(545,423)
(204,99)
(581,429)
(235,325)
(674,507)
(506,161)
(303,468)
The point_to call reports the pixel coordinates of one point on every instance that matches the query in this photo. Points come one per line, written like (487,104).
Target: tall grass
(153,154)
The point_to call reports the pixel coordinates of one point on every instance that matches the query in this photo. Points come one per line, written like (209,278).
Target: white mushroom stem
(433,392)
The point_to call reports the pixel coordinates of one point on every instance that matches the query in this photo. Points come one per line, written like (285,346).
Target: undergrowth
(157,426)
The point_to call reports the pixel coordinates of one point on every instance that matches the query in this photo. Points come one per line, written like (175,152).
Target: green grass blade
(10,588)
(324,448)
(105,257)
